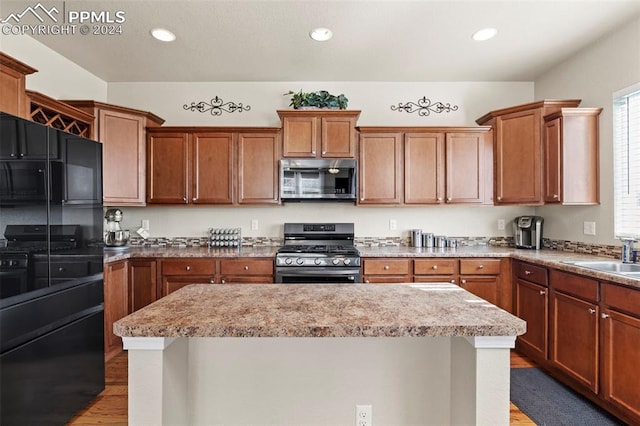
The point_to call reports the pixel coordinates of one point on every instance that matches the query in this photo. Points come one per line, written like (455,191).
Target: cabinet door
(82,159)
(167,170)
(258,168)
(552,160)
(531,305)
(381,166)
(574,339)
(123,148)
(466,168)
(424,172)
(621,357)
(143,288)
(338,137)
(299,136)
(486,287)
(116,304)
(212,168)
(518,158)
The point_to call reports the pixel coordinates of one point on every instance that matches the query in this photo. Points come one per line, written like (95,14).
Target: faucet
(627,249)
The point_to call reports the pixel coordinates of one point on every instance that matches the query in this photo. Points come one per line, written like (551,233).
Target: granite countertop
(329,310)
(151,252)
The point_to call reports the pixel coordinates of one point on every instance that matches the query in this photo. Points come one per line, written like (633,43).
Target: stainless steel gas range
(318,253)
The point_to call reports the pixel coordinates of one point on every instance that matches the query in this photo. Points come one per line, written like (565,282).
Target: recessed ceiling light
(321,34)
(162,34)
(485,34)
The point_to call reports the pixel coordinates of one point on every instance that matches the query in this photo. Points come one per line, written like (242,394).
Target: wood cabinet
(13,99)
(246,270)
(426,165)
(319,133)
(482,278)
(386,270)
(620,340)
(60,115)
(203,165)
(435,270)
(143,287)
(179,272)
(115,303)
(531,304)
(518,148)
(571,156)
(122,132)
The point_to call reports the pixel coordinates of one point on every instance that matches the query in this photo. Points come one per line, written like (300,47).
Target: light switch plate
(393,224)
(589,228)
(254,224)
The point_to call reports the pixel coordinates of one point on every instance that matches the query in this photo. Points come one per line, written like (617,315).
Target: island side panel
(319,381)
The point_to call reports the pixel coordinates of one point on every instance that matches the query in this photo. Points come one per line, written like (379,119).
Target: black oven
(24,181)
(317,275)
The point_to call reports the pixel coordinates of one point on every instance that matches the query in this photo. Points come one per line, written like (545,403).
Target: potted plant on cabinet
(317,100)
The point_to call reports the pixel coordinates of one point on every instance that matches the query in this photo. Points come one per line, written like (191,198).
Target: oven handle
(316,271)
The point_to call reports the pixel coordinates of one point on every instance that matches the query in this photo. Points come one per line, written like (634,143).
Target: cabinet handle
(463,281)
(188,268)
(555,195)
(211,281)
(361,198)
(453,281)
(324,152)
(481,266)
(246,267)
(386,267)
(448,199)
(527,272)
(499,198)
(591,311)
(61,269)
(604,316)
(434,267)
(439,198)
(222,281)
(367,282)
(184,199)
(313,152)
(543,292)
(194,199)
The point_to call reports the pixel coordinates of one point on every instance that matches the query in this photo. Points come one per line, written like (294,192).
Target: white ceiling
(267,40)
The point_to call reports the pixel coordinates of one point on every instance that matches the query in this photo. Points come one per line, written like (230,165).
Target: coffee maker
(527,232)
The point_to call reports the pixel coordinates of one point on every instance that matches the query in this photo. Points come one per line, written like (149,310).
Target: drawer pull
(223,281)
(246,267)
(527,272)
(604,316)
(61,269)
(592,311)
(434,267)
(481,266)
(453,281)
(211,281)
(188,268)
(543,292)
(367,281)
(386,267)
(463,281)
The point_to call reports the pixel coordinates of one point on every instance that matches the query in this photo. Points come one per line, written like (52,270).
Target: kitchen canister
(427,239)
(441,241)
(416,238)
(452,243)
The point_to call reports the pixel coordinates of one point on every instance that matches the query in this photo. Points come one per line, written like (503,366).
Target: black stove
(318,253)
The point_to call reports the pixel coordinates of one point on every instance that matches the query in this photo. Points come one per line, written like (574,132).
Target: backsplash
(561,245)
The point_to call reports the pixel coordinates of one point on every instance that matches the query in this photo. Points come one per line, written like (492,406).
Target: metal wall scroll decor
(424,107)
(216,106)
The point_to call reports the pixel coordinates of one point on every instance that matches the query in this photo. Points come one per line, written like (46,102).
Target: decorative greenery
(321,99)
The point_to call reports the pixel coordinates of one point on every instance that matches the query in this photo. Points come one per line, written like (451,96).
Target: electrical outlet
(254,224)
(364,415)
(145,224)
(501,224)
(393,224)
(589,228)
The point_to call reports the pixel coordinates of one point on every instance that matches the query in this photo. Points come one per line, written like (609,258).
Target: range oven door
(313,275)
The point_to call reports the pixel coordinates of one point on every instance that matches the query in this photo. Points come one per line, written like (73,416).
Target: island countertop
(329,310)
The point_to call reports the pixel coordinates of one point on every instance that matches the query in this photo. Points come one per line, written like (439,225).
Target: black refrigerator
(51,282)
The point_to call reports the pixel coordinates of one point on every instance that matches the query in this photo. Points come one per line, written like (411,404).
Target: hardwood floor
(110,407)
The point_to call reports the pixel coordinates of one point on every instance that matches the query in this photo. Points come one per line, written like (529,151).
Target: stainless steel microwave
(318,179)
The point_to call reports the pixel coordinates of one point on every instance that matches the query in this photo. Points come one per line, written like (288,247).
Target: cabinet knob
(313,152)
(367,282)
(439,198)
(361,198)
(591,311)
(604,316)
(188,268)
(453,281)
(184,199)
(324,152)
(448,199)
(434,267)
(499,198)
(463,281)
(386,267)
(555,195)
(194,199)
(223,281)
(481,266)
(13,154)
(61,269)
(246,267)
(543,292)
(211,281)
(527,272)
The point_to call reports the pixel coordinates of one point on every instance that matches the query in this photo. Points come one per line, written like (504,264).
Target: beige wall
(593,75)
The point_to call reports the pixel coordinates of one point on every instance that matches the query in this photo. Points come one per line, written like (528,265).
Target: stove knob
(335,261)
(318,261)
(347,261)
(288,261)
(299,261)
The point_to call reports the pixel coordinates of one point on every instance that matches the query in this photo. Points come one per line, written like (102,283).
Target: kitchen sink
(627,269)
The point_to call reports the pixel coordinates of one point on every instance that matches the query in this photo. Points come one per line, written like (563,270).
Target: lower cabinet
(531,303)
(385,270)
(115,304)
(429,270)
(250,271)
(143,287)
(482,278)
(178,273)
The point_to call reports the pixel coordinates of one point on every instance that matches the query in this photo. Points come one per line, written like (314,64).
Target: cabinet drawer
(531,273)
(622,298)
(480,266)
(246,266)
(69,269)
(435,266)
(189,267)
(386,266)
(575,285)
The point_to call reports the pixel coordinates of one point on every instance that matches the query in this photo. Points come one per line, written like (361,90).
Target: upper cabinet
(425,165)
(123,134)
(518,149)
(213,165)
(13,99)
(319,133)
(571,156)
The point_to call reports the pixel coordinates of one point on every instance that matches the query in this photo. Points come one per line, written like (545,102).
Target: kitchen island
(308,354)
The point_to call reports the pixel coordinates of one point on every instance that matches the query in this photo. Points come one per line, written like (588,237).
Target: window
(626,161)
